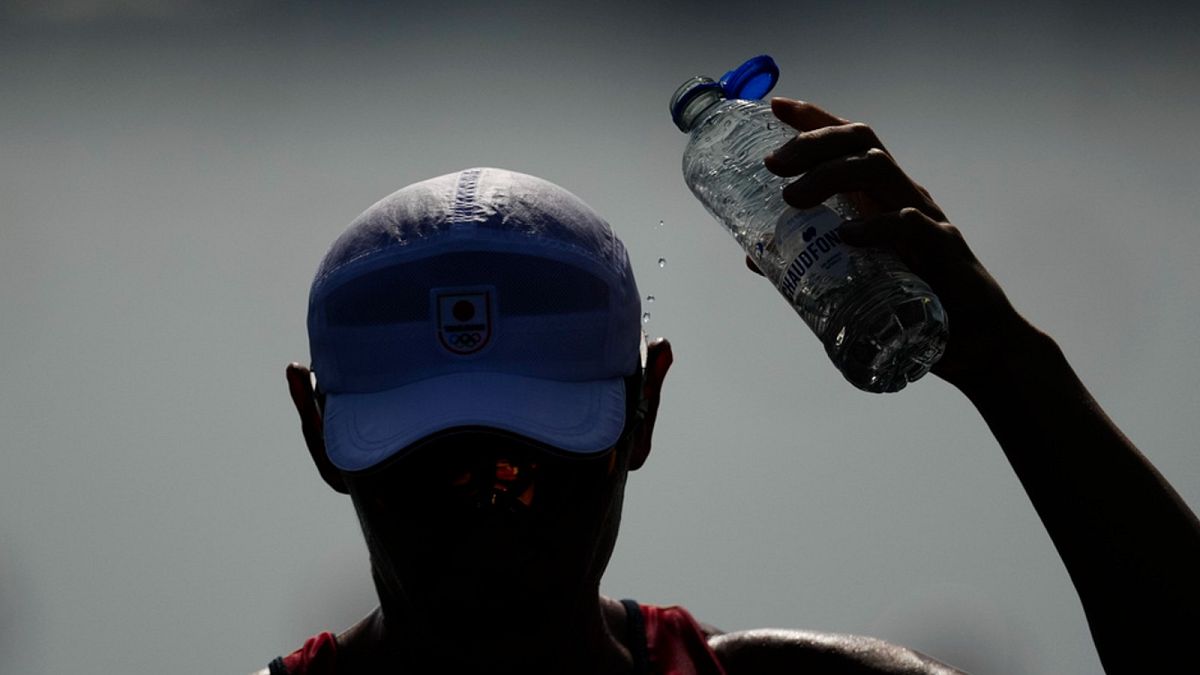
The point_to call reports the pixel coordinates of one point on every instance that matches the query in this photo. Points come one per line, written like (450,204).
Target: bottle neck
(692,100)
(697,109)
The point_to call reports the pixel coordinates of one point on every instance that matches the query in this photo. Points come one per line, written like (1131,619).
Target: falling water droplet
(649,298)
(662,262)
(660,223)
(646,317)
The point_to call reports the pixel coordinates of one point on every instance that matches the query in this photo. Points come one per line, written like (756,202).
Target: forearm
(1130,544)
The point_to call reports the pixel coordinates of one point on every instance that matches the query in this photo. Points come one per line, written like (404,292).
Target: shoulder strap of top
(635,627)
(675,642)
(318,656)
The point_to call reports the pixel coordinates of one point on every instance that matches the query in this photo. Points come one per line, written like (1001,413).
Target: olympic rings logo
(464,318)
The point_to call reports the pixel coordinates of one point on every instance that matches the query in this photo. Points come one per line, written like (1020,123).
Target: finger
(919,241)
(873,173)
(884,229)
(803,116)
(752,267)
(810,148)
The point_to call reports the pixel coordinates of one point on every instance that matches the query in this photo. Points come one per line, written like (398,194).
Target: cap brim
(362,430)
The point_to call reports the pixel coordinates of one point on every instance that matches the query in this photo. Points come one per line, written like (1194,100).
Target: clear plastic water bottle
(882,326)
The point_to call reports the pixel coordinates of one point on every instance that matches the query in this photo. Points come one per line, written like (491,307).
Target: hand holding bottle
(830,156)
(881,325)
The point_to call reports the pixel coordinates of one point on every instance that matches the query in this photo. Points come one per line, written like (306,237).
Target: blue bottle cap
(751,80)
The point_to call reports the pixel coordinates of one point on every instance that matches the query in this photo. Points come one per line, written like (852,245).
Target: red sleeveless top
(664,641)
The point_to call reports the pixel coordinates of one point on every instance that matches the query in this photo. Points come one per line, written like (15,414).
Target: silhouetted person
(482,390)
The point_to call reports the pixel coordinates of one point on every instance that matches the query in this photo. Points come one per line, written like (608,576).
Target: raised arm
(1130,544)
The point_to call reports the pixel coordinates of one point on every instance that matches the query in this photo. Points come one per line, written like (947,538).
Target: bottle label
(809,239)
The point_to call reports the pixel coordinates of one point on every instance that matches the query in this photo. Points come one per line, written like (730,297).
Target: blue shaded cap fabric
(484,297)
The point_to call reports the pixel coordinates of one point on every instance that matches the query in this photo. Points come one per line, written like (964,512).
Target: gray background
(170,174)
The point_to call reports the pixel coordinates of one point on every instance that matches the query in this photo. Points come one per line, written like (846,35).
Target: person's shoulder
(775,650)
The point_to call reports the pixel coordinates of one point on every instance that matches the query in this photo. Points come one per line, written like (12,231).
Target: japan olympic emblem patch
(464,318)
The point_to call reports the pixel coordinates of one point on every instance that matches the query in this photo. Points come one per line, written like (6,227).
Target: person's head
(480,387)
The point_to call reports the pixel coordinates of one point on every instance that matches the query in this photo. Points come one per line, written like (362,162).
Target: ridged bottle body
(881,325)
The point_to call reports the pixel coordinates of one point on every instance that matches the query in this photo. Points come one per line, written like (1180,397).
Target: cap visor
(362,430)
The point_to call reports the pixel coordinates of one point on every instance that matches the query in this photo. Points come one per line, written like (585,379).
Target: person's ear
(310,404)
(658,361)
